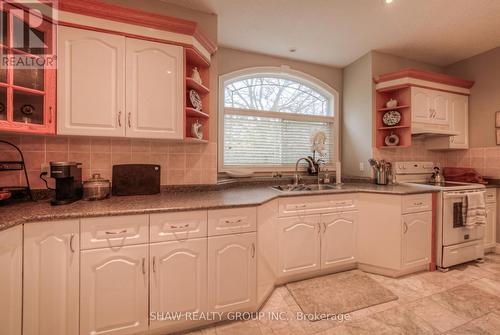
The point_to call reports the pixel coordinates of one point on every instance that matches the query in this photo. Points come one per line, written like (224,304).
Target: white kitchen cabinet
(11,281)
(459,113)
(338,239)
(114,291)
(90,83)
(51,278)
(154,89)
(110,85)
(416,237)
(491,222)
(299,244)
(178,279)
(429,106)
(232,272)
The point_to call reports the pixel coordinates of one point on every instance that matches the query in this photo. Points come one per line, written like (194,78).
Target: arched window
(268,117)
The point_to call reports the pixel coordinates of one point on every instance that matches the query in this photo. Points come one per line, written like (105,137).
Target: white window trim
(286,72)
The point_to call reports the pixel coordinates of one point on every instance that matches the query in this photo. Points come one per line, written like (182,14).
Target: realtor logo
(27,34)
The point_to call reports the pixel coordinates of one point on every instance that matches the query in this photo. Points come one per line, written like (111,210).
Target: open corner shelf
(201,89)
(191,112)
(193,59)
(403,130)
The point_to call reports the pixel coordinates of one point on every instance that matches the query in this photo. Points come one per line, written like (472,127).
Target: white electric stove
(456,243)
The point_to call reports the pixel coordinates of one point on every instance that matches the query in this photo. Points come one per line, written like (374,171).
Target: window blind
(265,141)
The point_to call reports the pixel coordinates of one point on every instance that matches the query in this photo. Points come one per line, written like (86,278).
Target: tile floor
(465,300)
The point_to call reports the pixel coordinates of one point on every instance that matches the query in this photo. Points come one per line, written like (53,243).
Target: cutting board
(136,179)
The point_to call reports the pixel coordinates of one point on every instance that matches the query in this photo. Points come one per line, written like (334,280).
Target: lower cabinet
(11,281)
(298,244)
(114,291)
(490,228)
(416,238)
(51,278)
(338,239)
(232,272)
(178,281)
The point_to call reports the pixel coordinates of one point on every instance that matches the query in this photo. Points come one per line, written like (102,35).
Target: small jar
(96,188)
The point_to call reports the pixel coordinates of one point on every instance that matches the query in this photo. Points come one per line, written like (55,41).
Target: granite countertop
(240,196)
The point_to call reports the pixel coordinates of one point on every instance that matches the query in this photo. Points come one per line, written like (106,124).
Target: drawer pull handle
(177,227)
(143,265)
(253,250)
(405,227)
(129,120)
(71,243)
(324,227)
(154,263)
(418,203)
(120,119)
(300,206)
(233,222)
(116,232)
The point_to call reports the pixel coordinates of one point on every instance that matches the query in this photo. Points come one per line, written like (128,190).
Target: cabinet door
(11,253)
(90,83)
(178,279)
(155,90)
(298,244)
(114,291)
(439,113)
(338,239)
(490,229)
(416,239)
(420,105)
(459,110)
(232,272)
(51,282)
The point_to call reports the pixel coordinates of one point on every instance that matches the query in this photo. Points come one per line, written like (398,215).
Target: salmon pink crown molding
(425,75)
(123,14)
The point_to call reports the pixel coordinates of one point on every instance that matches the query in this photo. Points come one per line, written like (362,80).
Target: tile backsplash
(486,160)
(181,164)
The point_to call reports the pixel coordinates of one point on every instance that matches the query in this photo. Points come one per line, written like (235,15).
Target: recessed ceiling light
(388,1)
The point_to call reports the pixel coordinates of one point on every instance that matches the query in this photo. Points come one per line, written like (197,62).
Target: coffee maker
(68,176)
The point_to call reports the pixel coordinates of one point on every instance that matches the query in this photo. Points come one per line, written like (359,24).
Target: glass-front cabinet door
(27,71)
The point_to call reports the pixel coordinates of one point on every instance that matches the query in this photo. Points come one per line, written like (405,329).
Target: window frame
(286,73)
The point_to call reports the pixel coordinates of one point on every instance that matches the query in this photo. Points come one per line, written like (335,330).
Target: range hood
(426,132)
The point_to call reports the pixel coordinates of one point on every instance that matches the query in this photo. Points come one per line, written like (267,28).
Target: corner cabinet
(111,85)
(27,82)
(11,280)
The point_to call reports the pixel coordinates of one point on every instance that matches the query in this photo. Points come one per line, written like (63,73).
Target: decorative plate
(391,118)
(27,109)
(391,140)
(195,99)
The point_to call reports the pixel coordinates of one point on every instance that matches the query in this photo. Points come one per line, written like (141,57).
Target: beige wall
(385,63)
(357,117)
(484,100)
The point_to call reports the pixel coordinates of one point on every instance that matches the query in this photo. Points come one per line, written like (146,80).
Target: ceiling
(337,32)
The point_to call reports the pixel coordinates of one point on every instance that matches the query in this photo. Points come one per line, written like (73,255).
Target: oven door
(454,232)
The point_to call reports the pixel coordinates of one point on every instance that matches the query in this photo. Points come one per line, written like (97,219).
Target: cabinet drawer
(316,204)
(417,203)
(114,231)
(178,226)
(230,221)
(490,195)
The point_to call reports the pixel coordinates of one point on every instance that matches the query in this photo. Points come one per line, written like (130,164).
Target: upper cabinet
(27,83)
(429,104)
(91,83)
(154,89)
(110,85)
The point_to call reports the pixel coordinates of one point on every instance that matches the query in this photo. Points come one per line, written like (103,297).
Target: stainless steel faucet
(296,177)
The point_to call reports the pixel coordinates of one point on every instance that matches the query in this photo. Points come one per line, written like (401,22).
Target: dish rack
(19,165)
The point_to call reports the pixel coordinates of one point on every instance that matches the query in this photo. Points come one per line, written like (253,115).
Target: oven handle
(447,195)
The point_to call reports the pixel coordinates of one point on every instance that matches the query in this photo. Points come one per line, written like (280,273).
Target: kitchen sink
(303,187)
